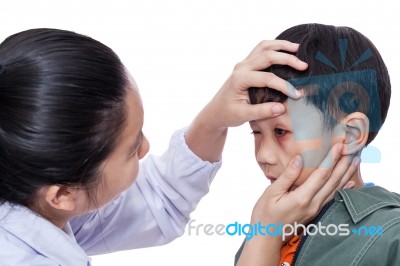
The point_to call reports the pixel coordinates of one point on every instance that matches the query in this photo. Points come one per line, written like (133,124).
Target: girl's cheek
(134,171)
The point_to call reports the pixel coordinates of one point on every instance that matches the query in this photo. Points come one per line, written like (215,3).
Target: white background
(180,53)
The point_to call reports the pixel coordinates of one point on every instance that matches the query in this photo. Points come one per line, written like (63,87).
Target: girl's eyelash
(255,132)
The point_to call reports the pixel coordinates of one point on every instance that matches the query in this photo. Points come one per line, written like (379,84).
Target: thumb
(290,175)
(263,110)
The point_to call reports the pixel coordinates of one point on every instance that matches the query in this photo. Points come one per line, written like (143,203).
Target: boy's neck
(357,179)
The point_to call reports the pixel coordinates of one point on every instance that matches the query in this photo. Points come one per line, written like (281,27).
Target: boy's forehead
(306,121)
(301,109)
(297,112)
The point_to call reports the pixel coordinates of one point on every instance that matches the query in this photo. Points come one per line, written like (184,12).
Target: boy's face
(301,131)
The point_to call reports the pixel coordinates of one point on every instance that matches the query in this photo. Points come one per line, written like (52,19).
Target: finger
(268,58)
(355,162)
(350,184)
(338,182)
(262,111)
(341,174)
(260,79)
(288,177)
(274,45)
(318,178)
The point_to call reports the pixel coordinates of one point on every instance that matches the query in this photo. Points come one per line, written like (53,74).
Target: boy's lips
(271,178)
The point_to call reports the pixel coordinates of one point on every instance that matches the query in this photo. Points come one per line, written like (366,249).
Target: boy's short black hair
(345,74)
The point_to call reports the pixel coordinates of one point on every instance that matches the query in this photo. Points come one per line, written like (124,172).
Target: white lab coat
(153,211)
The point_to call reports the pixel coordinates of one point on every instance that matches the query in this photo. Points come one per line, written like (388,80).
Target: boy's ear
(357,131)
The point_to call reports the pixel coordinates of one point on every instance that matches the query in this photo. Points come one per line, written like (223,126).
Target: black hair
(62,107)
(345,74)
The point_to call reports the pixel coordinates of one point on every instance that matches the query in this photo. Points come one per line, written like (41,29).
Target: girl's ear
(61,197)
(357,131)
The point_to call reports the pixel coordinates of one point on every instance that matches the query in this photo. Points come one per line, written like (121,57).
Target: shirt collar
(41,235)
(362,202)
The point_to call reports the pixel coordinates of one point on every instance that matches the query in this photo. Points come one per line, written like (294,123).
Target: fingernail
(302,63)
(356,160)
(297,162)
(292,91)
(277,109)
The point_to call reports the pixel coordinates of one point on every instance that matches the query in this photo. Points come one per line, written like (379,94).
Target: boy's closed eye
(279,132)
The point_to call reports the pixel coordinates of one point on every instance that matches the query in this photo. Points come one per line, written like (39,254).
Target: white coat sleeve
(155,209)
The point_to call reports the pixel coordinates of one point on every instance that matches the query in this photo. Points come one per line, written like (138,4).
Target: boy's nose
(267,153)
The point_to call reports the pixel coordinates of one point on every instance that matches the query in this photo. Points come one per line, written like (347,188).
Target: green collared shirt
(371,216)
